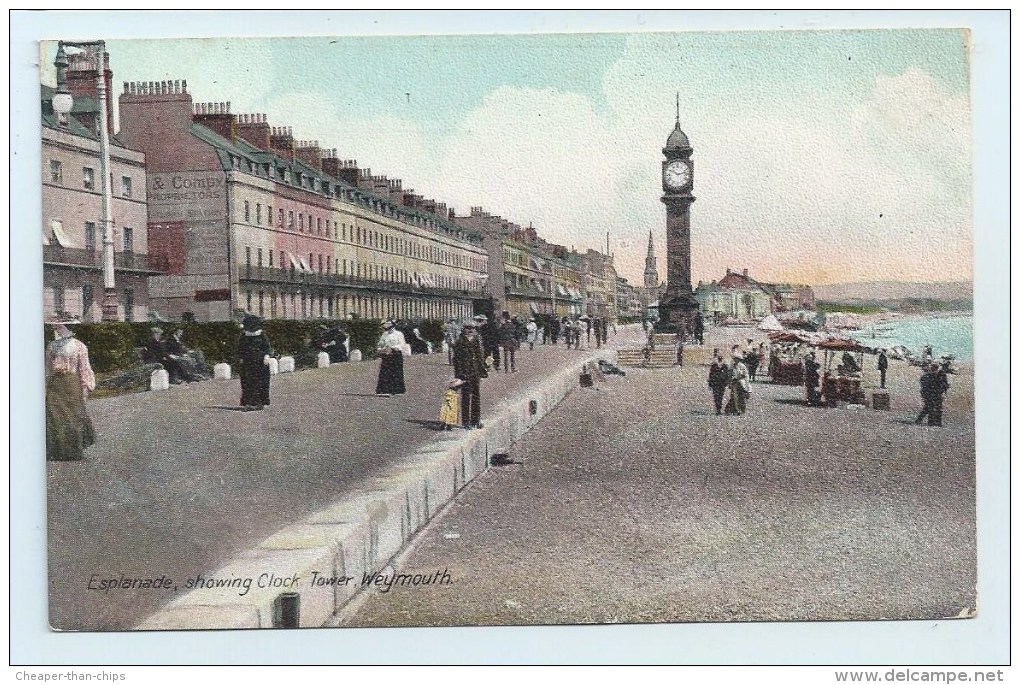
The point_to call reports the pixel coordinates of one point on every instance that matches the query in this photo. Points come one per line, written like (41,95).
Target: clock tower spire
(678,307)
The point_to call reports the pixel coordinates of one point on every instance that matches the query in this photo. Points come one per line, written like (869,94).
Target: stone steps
(664,357)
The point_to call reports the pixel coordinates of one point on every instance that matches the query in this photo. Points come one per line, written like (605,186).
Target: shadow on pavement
(434,425)
(226,407)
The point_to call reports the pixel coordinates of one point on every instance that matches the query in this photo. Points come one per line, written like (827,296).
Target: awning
(574,293)
(304,264)
(59,235)
(293,261)
(561,290)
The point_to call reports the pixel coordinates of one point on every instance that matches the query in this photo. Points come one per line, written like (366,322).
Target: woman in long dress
(254,351)
(390,349)
(69,379)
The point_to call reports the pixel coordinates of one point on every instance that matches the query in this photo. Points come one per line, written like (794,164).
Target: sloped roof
(245,150)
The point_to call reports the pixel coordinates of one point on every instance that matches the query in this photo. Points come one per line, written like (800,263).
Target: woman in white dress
(390,350)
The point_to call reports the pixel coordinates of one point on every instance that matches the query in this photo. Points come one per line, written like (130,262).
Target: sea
(947,335)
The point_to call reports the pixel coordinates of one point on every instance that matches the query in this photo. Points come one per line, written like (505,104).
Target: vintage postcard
(489,330)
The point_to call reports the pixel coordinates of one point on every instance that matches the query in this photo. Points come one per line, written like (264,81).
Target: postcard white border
(983,640)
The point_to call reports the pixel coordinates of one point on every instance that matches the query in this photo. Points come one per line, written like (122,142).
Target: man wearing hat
(489,333)
(469,367)
(254,351)
(390,349)
(69,379)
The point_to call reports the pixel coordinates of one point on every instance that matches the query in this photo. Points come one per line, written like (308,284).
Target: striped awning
(59,235)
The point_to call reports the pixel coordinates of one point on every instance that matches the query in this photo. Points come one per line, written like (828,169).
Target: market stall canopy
(841,345)
(788,336)
(770,323)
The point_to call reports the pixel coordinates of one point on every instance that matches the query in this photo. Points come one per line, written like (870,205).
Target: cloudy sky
(822,157)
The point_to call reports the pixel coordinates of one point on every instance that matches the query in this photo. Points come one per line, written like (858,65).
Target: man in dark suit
(883,364)
(469,366)
(488,331)
(718,379)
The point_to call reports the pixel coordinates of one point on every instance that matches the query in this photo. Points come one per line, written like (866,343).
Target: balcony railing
(93,259)
(314,278)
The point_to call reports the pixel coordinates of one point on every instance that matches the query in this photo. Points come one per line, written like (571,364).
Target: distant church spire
(651,272)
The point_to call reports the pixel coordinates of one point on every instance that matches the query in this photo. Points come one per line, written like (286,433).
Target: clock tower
(678,306)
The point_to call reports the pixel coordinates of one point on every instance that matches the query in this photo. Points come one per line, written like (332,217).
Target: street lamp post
(62,104)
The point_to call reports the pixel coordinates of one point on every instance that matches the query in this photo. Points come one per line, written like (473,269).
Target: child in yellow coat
(449,411)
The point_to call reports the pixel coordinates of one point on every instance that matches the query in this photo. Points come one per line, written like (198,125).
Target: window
(87,300)
(247,257)
(129,305)
(90,235)
(58,300)
(125,186)
(320,264)
(88,177)
(56,172)
(318,225)
(301,222)
(281,218)
(286,176)
(247,211)
(259,257)
(270,259)
(129,242)
(290,219)
(269,215)
(258,214)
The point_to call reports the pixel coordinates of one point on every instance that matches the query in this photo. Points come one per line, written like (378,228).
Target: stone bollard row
(340,550)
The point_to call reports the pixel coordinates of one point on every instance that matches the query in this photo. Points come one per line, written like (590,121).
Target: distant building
(251,220)
(72,226)
(533,276)
(735,296)
(738,296)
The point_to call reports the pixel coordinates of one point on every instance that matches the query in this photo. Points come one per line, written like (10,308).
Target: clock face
(676,175)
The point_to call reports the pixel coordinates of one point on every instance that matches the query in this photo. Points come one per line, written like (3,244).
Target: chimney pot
(184,85)
(745,273)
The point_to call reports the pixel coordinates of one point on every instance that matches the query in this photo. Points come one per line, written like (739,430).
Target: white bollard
(355,355)
(274,366)
(323,360)
(221,371)
(159,380)
(446,346)
(406,349)
(429,345)
(286,364)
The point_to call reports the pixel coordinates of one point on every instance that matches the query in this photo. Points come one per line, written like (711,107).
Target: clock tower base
(677,312)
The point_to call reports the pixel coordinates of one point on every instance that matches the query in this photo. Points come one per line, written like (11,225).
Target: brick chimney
(253,128)
(155,118)
(81,83)
(281,141)
(215,116)
(745,273)
(345,170)
(308,151)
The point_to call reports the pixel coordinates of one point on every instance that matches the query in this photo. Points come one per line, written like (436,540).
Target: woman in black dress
(390,349)
(254,350)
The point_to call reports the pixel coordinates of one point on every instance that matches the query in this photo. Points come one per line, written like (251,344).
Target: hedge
(112,344)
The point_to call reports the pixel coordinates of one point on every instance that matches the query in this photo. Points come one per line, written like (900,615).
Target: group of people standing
(735,376)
